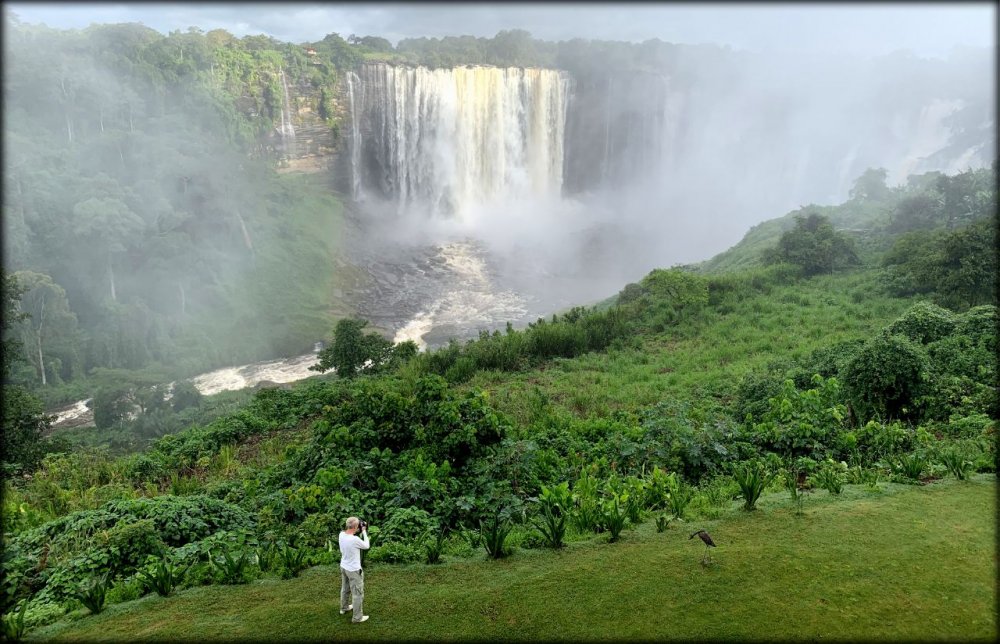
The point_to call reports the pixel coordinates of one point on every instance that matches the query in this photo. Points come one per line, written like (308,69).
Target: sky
(925,29)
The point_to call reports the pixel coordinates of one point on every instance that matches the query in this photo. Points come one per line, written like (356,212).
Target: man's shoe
(349,607)
(364,618)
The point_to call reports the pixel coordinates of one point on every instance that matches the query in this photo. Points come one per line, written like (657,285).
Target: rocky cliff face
(311,144)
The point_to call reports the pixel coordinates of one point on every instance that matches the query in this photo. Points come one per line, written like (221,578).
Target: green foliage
(831,477)
(185,396)
(814,246)
(803,423)
(752,477)
(163,576)
(434,545)
(615,517)
(232,570)
(406,524)
(924,323)
(663,522)
(958,462)
(125,590)
(885,377)
(293,561)
(494,536)
(912,466)
(588,515)
(957,268)
(92,596)
(353,352)
(13,623)
(554,505)
(679,495)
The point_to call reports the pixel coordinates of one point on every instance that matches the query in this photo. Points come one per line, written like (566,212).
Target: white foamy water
(469,298)
(225,379)
(276,371)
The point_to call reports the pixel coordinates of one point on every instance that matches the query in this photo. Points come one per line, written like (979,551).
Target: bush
(494,534)
(14,624)
(957,461)
(125,590)
(434,546)
(185,396)
(831,477)
(752,478)
(396,552)
(924,323)
(93,595)
(615,516)
(293,561)
(406,525)
(885,378)
(911,465)
(163,576)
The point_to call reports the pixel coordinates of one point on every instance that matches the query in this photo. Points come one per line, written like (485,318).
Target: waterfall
(454,139)
(287,131)
(356,143)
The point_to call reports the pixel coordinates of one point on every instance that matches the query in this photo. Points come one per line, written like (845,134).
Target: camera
(362,524)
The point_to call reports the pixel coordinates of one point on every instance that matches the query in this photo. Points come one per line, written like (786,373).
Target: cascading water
(287,131)
(355,103)
(454,139)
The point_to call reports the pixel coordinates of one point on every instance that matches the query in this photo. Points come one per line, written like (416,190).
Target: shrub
(911,465)
(803,423)
(752,478)
(13,623)
(924,323)
(293,561)
(495,533)
(957,462)
(397,552)
(125,591)
(831,478)
(615,516)
(93,595)
(232,570)
(163,576)
(554,504)
(587,515)
(406,524)
(886,377)
(680,495)
(434,545)
(662,522)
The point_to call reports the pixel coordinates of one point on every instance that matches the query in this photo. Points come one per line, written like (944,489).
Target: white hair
(352,523)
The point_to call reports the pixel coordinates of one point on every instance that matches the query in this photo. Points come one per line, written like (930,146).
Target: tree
(871,185)
(352,351)
(50,336)
(886,377)
(23,417)
(814,246)
(108,224)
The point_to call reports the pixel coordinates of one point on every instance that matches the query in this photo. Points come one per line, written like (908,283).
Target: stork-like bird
(707,540)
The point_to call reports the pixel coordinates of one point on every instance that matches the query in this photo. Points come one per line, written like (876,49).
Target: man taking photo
(351,575)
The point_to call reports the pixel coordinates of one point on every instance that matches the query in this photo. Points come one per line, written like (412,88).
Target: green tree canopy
(814,246)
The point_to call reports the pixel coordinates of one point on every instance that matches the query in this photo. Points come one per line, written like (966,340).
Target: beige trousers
(352,590)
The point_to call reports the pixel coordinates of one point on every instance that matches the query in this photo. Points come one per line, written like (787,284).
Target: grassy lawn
(903,563)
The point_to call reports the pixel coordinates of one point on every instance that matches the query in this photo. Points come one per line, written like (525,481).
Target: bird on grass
(707,540)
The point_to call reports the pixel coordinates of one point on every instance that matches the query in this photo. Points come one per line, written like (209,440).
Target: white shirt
(350,550)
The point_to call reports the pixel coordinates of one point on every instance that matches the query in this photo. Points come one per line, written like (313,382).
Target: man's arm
(363,540)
